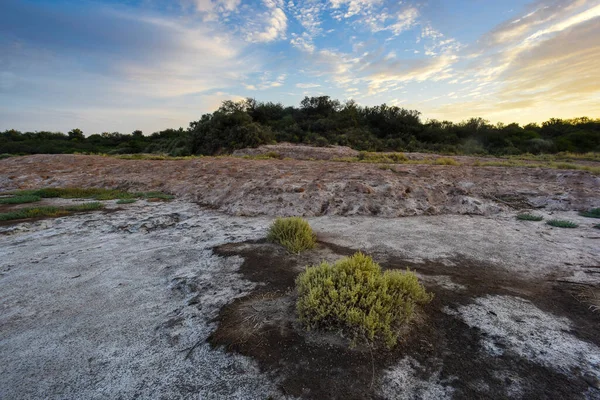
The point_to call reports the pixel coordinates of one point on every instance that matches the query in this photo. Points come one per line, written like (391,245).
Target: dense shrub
(294,233)
(353,296)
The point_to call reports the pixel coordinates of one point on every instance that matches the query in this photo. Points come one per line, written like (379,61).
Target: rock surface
(290,187)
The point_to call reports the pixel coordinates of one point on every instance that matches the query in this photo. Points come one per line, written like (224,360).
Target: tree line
(321,121)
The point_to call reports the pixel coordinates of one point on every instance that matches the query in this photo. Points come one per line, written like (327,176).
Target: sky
(105,66)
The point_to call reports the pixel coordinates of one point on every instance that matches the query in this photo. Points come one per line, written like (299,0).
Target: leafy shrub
(355,297)
(593,213)
(561,223)
(529,217)
(20,199)
(294,233)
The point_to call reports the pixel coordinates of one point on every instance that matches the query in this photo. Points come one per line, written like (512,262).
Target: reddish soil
(294,187)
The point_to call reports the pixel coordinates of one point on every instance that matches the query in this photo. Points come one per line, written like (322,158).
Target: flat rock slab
(122,305)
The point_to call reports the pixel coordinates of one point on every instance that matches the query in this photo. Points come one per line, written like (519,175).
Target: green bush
(353,296)
(294,233)
(561,223)
(529,217)
(593,213)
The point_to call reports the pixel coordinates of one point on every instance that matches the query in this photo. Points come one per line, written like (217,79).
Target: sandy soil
(291,187)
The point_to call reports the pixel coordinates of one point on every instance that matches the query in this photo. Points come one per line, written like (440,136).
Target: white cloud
(273,25)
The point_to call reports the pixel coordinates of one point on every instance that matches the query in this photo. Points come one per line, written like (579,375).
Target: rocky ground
(185,299)
(245,187)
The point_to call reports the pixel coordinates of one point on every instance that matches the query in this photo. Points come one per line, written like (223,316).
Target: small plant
(592,213)
(20,199)
(353,296)
(529,217)
(126,201)
(561,223)
(294,233)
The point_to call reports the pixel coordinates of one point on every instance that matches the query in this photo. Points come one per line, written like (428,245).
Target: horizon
(102,66)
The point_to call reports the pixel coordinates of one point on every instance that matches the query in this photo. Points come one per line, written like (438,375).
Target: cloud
(273,26)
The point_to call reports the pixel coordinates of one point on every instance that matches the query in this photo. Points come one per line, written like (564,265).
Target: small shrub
(20,199)
(593,213)
(294,233)
(560,223)
(126,201)
(446,161)
(529,217)
(353,296)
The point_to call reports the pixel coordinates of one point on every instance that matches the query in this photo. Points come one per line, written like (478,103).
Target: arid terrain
(186,299)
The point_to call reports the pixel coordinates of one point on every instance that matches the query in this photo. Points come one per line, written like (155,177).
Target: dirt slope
(294,187)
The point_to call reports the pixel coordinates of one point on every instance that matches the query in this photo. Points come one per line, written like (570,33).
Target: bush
(529,217)
(294,233)
(446,161)
(561,223)
(353,296)
(593,213)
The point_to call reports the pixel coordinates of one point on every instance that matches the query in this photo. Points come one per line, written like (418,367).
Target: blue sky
(156,64)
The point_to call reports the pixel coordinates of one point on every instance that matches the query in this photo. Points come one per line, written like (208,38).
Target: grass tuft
(37,212)
(294,233)
(90,193)
(529,217)
(28,198)
(592,213)
(354,297)
(561,223)
(126,201)
(446,161)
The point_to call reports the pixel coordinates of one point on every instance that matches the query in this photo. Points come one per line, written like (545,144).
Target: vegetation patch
(37,212)
(86,193)
(561,223)
(20,199)
(126,201)
(529,217)
(294,233)
(354,297)
(592,213)
(446,161)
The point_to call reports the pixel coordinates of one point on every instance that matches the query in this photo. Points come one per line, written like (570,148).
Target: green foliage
(324,121)
(39,212)
(3,156)
(353,296)
(126,201)
(560,223)
(294,233)
(529,217)
(20,199)
(592,213)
